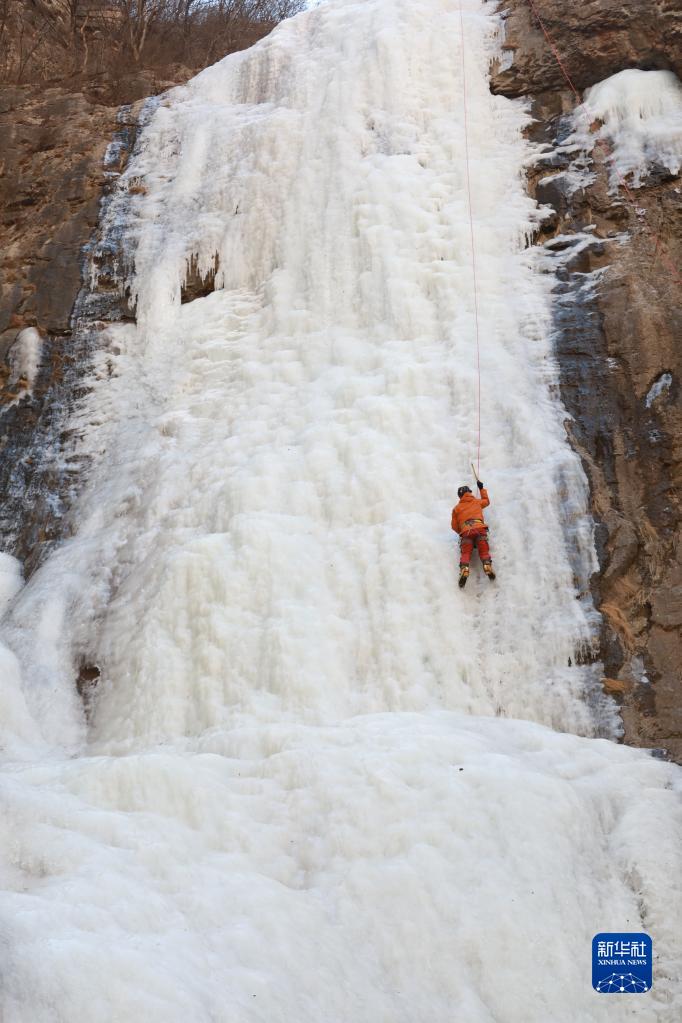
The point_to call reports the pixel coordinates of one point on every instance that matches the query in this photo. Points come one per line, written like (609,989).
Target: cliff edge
(616,246)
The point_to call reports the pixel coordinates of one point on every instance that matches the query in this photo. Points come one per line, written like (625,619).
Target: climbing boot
(488,569)
(463,576)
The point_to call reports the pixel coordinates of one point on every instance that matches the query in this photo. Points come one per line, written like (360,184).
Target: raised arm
(485,500)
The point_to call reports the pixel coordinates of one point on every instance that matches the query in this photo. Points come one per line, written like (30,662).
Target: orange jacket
(469,509)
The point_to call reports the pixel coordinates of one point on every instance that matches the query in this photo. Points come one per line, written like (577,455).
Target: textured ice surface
(304,794)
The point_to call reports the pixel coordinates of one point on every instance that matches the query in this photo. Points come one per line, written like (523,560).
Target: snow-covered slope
(294,801)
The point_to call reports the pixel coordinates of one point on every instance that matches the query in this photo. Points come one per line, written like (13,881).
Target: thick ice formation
(24,360)
(10,579)
(642,115)
(285,807)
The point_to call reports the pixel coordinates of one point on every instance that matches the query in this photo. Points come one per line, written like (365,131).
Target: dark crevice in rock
(196,283)
(87,681)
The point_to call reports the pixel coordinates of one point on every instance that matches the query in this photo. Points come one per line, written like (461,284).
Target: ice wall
(318,782)
(292,444)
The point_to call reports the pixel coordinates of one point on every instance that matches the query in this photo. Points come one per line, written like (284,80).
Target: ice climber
(467,520)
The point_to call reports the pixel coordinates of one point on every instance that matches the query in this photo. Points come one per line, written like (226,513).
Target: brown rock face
(52,148)
(59,163)
(618,343)
(595,39)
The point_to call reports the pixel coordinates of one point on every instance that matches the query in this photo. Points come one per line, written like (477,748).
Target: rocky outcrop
(617,341)
(596,38)
(52,147)
(61,154)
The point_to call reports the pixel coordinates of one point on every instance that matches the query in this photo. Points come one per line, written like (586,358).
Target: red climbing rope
(659,247)
(555,51)
(473,243)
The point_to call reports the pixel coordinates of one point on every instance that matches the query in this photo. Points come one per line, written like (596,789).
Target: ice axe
(474,472)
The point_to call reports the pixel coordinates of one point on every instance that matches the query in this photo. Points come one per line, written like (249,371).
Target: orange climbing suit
(467,520)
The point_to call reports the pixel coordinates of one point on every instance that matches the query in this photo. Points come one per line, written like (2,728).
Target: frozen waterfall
(319,784)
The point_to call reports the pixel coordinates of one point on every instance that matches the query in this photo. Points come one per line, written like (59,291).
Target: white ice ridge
(320,784)
(24,360)
(642,115)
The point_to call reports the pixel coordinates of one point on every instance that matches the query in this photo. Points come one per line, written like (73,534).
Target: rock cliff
(60,152)
(594,39)
(617,340)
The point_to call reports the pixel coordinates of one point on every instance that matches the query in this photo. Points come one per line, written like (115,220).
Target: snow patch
(639,672)
(24,360)
(663,384)
(641,113)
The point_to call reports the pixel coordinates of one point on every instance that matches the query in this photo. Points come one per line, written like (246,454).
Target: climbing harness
(659,247)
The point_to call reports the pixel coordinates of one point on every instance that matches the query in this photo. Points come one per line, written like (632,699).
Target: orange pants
(477,537)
